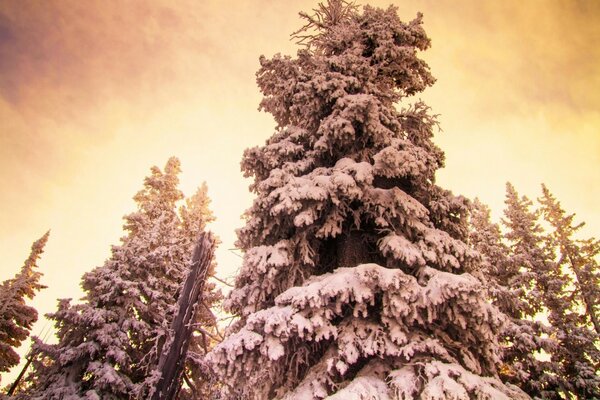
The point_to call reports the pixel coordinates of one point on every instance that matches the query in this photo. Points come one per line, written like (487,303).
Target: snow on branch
(412,312)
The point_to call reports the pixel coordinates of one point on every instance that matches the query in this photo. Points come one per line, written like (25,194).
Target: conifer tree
(16,317)
(355,281)
(579,256)
(529,281)
(110,342)
(575,312)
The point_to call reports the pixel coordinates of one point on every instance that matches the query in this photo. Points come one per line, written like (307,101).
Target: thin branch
(324,17)
(204,332)
(190,384)
(222,281)
(231,319)
(234,253)
(209,311)
(219,333)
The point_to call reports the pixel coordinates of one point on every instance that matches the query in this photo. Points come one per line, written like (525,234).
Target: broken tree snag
(15,384)
(172,360)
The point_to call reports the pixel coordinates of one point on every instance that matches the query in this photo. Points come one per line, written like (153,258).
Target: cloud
(523,55)
(84,52)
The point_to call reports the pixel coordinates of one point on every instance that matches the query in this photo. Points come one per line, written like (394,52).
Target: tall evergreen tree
(110,342)
(578,256)
(575,315)
(355,280)
(531,283)
(16,317)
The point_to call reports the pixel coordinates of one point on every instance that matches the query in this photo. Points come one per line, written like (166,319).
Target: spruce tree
(529,283)
(109,344)
(16,317)
(575,314)
(579,256)
(355,281)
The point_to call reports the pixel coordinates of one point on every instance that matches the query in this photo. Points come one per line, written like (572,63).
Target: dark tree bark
(15,384)
(172,359)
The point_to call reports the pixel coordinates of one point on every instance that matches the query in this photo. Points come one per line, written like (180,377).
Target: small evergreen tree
(16,317)
(109,343)
(355,281)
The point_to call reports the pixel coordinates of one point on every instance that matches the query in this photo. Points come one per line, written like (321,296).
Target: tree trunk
(589,305)
(172,359)
(351,250)
(15,384)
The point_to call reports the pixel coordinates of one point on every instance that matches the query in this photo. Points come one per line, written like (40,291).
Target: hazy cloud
(523,55)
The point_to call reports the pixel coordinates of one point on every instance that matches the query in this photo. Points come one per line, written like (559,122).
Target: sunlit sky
(93,93)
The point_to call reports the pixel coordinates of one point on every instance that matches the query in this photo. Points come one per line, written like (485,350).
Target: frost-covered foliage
(110,342)
(533,275)
(355,281)
(580,256)
(16,317)
(516,267)
(574,312)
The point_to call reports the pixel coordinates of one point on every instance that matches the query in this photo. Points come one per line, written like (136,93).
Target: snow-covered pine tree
(524,273)
(109,343)
(575,316)
(16,317)
(355,280)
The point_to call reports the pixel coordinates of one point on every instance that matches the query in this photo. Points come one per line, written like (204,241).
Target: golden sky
(93,93)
